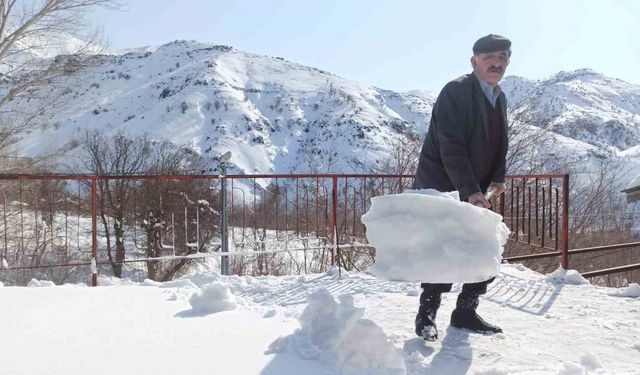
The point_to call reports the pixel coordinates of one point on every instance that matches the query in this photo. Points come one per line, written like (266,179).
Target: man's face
(491,66)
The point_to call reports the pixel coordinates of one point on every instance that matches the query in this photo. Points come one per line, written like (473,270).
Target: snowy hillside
(279,116)
(583,105)
(274,115)
(212,324)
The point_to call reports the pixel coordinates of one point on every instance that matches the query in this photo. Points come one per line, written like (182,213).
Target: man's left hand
(495,189)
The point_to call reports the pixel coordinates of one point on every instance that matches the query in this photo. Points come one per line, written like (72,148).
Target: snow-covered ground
(354,323)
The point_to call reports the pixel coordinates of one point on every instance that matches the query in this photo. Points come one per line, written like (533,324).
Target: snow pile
(429,236)
(37,283)
(567,276)
(1,284)
(213,298)
(335,332)
(633,290)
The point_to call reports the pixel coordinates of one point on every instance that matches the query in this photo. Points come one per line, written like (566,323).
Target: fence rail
(70,225)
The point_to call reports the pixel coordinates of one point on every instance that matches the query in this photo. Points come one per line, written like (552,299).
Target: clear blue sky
(397,44)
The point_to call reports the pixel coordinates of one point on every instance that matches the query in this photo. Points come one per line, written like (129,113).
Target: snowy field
(353,324)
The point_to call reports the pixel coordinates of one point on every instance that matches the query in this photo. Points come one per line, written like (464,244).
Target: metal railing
(60,224)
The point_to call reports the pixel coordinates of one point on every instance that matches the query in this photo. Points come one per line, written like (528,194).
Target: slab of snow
(429,236)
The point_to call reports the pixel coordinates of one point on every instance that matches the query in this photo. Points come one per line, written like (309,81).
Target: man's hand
(479,200)
(495,189)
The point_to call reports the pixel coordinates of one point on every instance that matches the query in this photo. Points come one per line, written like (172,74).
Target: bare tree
(403,157)
(31,32)
(524,144)
(118,155)
(154,205)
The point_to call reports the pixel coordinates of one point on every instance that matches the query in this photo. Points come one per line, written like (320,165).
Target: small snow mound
(38,284)
(429,236)
(334,331)
(590,361)
(633,290)
(572,277)
(571,369)
(213,298)
(1,284)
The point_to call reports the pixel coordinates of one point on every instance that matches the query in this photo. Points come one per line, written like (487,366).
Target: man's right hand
(479,200)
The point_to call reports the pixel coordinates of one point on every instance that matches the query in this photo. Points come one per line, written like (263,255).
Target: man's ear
(473,61)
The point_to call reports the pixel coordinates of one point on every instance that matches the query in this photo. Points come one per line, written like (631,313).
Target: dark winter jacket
(455,150)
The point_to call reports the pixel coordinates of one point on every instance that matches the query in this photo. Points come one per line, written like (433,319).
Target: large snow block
(429,236)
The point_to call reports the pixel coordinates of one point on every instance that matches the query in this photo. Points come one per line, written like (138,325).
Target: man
(465,150)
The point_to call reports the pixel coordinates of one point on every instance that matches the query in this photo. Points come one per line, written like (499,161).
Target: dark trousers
(470,288)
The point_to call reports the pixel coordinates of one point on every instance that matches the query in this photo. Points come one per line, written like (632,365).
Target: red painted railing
(297,222)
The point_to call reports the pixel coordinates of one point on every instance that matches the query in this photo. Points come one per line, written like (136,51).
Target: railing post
(564,261)
(224,261)
(94,231)
(334,222)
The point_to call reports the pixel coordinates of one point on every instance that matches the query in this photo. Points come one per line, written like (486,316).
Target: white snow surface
(429,236)
(551,327)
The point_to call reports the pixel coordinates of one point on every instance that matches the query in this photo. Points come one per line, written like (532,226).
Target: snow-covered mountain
(279,116)
(583,105)
(274,115)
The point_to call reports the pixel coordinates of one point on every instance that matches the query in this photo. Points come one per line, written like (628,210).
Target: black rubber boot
(465,316)
(426,317)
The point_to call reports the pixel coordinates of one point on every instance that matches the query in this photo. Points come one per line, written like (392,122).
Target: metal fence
(69,227)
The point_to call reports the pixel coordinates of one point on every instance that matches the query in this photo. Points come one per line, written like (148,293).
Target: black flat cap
(491,43)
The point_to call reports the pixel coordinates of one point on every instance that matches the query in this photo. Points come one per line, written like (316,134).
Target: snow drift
(429,236)
(335,332)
